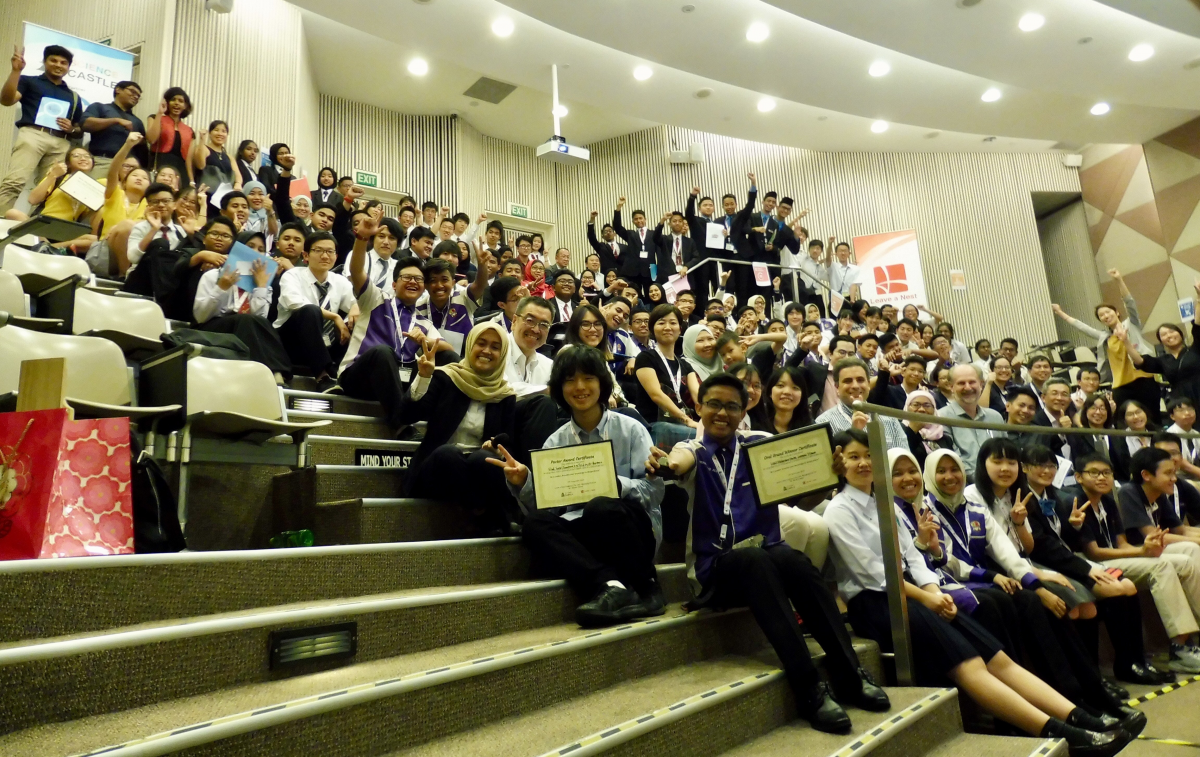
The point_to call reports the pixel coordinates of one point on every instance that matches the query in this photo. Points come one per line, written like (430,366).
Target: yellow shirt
(62,206)
(117,209)
(1123,370)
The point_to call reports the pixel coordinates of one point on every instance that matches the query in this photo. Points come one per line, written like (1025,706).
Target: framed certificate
(574,475)
(791,465)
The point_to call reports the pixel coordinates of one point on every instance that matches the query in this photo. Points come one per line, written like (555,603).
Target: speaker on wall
(696,152)
(220,6)
(1072,160)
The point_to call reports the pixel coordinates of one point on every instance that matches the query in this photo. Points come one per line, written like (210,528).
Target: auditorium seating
(36,271)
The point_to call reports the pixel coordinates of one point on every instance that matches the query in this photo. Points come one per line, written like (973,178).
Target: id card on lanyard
(728,234)
(676,376)
(728,483)
(406,367)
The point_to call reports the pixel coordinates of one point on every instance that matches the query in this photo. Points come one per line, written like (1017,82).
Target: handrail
(795,272)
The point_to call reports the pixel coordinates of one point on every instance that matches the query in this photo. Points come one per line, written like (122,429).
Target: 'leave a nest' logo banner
(890,268)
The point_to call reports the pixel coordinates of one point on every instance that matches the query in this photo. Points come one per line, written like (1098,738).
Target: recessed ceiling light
(1141,52)
(702,93)
(1099,109)
(766,105)
(1031,22)
(933,135)
(642,73)
(757,32)
(991,95)
(879,68)
(418,67)
(560,110)
(822,118)
(879,127)
(502,27)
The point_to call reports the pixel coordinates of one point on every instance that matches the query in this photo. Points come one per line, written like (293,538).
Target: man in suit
(755,240)
(643,252)
(704,280)
(563,304)
(612,251)
(677,254)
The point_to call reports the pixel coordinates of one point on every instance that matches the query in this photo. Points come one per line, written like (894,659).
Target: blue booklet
(242,258)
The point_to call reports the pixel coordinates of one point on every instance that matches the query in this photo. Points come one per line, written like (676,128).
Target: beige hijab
(481,387)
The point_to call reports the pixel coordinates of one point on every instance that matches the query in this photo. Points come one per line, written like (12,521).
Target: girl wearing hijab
(700,349)
(244,160)
(923,438)
(467,403)
(326,190)
(946,643)
(269,174)
(535,280)
(262,213)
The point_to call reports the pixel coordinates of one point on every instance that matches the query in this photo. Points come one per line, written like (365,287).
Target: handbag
(155,510)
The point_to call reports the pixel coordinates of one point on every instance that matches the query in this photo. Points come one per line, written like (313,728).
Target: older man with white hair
(966,383)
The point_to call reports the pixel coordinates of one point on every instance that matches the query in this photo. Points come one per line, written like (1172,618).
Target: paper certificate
(50,109)
(85,189)
(791,465)
(714,236)
(574,475)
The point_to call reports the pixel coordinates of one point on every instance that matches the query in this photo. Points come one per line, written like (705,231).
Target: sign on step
(382,458)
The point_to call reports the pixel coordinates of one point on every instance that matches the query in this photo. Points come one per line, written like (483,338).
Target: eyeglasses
(219,235)
(1097,473)
(160,201)
(1052,465)
(533,323)
(920,406)
(733,408)
(591,326)
(330,253)
(410,278)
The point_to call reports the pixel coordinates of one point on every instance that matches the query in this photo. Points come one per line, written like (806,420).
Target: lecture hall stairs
(458,650)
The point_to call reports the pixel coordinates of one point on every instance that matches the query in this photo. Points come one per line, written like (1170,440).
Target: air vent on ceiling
(702,93)
(489,90)
(1067,146)
(968,3)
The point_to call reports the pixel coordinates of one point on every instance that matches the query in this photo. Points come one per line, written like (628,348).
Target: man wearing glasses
(528,371)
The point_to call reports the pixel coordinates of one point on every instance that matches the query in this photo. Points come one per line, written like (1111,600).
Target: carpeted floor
(1171,716)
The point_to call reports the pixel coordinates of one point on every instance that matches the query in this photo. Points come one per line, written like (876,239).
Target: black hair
(1083,461)
(293,226)
(725,338)
(434,267)
(714,318)
(540,302)
(523,238)
(345,178)
(772,194)
(560,273)
(843,438)
(1037,454)
(579,359)
(172,93)
(58,50)
(497,226)
(714,301)
(662,311)
(816,243)
(982,341)
(1172,406)
(1040,359)
(393,227)
(1166,437)
(702,199)
(1120,419)
(157,187)
(319,236)
(887,338)
(641,213)
(915,360)
(408,262)
(840,245)
(910,322)
(214,124)
(222,221)
(1001,448)
(429,205)
(1147,459)
(420,233)
(1010,340)
(785,200)
(793,307)
(444,247)
(867,338)
(688,293)
(1088,402)
(728,197)
(946,325)
(242,147)
(842,338)
(576,322)
(743,310)
(230,197)
(501,287)
(126,84)
(721,378)
(801,416)
(460,216)
(323,170)
(1023,390)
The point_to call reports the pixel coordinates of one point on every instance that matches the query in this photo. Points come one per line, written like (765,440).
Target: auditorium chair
(37,271)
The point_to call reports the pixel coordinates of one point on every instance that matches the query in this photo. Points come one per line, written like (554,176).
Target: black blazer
(443,407)
(608,260)
(634,264)
(698,229)
(666,263)
(335,197)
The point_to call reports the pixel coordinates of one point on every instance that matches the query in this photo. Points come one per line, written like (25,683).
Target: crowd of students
(1016,546)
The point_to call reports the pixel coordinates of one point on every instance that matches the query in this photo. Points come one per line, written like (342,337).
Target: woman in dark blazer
(467,403)
(1096,413)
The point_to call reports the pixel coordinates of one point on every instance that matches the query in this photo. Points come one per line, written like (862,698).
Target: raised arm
(114,170)
(1130,304)
(10,94)
(1080,325)
(616,220)
(367,228)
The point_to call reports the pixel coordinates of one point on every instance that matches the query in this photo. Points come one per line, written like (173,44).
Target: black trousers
(305,345)
(1055,651)
(467,480)
(1122,617)
(375,375)
(258,335)
(612,541)
(765,580)
(747,286)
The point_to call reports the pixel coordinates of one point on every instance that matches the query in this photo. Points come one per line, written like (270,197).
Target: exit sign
(366,178)
(518,211)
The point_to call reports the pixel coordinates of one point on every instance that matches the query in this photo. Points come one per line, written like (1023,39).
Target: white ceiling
(1180,15)
(942,58)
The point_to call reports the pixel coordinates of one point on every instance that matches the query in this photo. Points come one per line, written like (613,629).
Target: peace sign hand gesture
(927,529)
(514,471)
(1019,512)
(1077,514)
(425,359)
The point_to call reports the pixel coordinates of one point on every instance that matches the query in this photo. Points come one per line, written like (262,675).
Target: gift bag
(64,486)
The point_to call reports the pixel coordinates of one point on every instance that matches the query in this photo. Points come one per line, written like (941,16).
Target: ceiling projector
(557,150)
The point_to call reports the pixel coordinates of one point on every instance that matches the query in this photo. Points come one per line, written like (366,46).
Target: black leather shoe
(1080,718)
(1132,720)
(824,713)
(870,696)
(611,606)
(1142,674)
(1115,690)
(653,603)
(1083,743)
(1164,676)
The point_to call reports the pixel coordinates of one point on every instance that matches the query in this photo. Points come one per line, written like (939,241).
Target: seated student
(1185,499)
(154,246)
(736,557)
(1146,507)
(589,328)
(700,350)
(755,418)
(1089,382)
(851,383)
(1134,416)
(288,254)
(1095,412)
(451,313)
(467,403)
(1182,412)
(1169,577)
(48,199)
(182,272)
(667,384)
(945,643)
(506,292)
(260,214)
(124,205)
(381,258)
(317,311)
(784,403)
(605,548)
(222,306)
(1022,408)
(716,324)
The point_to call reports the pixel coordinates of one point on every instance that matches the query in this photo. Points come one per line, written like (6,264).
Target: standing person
(678,253)
(39,146)
(666,384)
(704,279)
(1121,351)
(169,138)
(1181,361)
(844,275)
(604,548)
(946,643)
(326,187)
(269,173)
(755,240)
(212,164)
(110,123)
(736,557)
(246,161)
(642,249)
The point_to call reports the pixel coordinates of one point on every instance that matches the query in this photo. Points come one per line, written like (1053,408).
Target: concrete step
(328,449)
(50,598)
(373,521)
(400,702)
(78,676)
(295,494)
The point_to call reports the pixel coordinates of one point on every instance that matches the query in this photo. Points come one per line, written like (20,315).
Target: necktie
(381,279)
(678,256)
(616,250)
(244,306)
(642,234)
(327,327)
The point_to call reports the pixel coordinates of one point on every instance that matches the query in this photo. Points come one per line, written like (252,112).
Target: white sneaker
(1183,660)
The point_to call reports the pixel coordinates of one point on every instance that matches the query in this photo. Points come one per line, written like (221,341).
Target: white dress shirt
(526,375)
(565,309)
(298,287)
(213,302)
(172,232)
(842,277)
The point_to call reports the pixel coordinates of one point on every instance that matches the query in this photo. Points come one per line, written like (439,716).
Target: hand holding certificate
(574,475)
(791,465)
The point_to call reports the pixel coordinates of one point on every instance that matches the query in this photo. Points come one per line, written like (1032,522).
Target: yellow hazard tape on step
(1159,692)
(1172,742)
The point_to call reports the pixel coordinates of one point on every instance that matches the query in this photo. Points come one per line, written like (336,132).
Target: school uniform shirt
(960,354)
(526,375)
(382,322)
(454,321)
(974,537)
(1184,501)
(172,232)
(379,272)
(712,532)
(842,277)
(631,444)
(812,271)
(298,287)
(213,302)
(853,520)
(563,310)
(1137,512)
(1101,524)
(1189,447)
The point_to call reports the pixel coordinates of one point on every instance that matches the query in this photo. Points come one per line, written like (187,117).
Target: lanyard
(728,483)
(239,299)
(398,336)
(1103,518)
(956,528)
(675,377)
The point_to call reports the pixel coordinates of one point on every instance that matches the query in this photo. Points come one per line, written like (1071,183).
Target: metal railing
(794,272)
(885,497)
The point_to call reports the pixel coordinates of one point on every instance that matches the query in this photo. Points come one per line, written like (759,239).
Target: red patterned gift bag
(64,486)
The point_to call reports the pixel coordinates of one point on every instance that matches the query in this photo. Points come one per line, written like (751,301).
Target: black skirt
(938,646)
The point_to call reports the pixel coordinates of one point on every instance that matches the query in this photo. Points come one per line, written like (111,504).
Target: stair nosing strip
(344,417)
(305,394)
(358,469)
(612,736)
(239,555)
(884,731)
(1049,747)
(403,446)
(266,716)
(121,639)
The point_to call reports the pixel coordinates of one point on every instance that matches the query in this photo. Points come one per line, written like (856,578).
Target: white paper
(85,189)
(836,302)
(219,192)
(244,268)
(762,275)
(645,254)
(49,110)
(1187,309)
(454,338)
(1064,470)
(715,236)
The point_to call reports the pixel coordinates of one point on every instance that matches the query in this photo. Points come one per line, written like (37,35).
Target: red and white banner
(890,268)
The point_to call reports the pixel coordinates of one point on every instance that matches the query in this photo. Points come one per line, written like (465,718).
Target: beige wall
(1070,267)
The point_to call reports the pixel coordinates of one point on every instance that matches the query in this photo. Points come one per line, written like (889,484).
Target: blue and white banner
(95,70)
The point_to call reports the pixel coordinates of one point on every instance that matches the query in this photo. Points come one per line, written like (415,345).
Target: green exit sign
(518,211)
(366,178)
